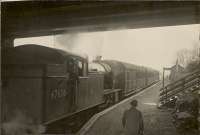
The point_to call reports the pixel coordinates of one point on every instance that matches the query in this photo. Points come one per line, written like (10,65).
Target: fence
(190,82)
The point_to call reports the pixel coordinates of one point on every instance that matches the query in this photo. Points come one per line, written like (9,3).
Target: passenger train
(51,86)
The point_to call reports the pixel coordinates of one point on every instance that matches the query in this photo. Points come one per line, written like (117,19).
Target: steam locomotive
(49,85)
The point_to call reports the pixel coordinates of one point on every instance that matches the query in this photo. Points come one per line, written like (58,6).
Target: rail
(190,82)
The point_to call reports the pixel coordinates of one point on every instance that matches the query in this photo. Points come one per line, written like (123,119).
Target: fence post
(165,94)
(183,83)
(198,82)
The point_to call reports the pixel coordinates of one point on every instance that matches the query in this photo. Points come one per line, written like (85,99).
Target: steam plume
(82,43)
(21,125)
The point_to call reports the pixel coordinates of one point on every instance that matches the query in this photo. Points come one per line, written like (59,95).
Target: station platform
(156,121)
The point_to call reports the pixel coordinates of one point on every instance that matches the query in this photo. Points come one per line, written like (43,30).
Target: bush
(193,65)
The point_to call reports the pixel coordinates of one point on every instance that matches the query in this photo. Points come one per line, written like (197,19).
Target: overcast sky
(154,47)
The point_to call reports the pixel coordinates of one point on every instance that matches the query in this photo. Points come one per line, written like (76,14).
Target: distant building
(177,71)
(98,58)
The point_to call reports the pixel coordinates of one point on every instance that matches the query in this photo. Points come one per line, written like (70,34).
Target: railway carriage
(127,78)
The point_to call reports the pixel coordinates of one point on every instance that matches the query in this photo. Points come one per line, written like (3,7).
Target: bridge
(29,19)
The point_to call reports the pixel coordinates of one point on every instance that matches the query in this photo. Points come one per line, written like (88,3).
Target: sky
(153,47)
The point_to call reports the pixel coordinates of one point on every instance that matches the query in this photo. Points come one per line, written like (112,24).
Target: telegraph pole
(164,75)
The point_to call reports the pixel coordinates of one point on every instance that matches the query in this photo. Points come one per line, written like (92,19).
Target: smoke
(21,125)
(82,43)
(66,41)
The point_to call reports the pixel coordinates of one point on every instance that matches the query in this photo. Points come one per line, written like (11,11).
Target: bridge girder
(28,19)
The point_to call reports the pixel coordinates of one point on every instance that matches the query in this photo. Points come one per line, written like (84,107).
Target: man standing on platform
(132,120)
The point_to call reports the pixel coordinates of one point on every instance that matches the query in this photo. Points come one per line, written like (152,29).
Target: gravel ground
(156,121)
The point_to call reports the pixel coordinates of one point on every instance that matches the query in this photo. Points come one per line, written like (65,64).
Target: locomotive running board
(108,91)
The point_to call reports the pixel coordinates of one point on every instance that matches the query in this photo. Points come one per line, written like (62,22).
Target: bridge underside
(28,19)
